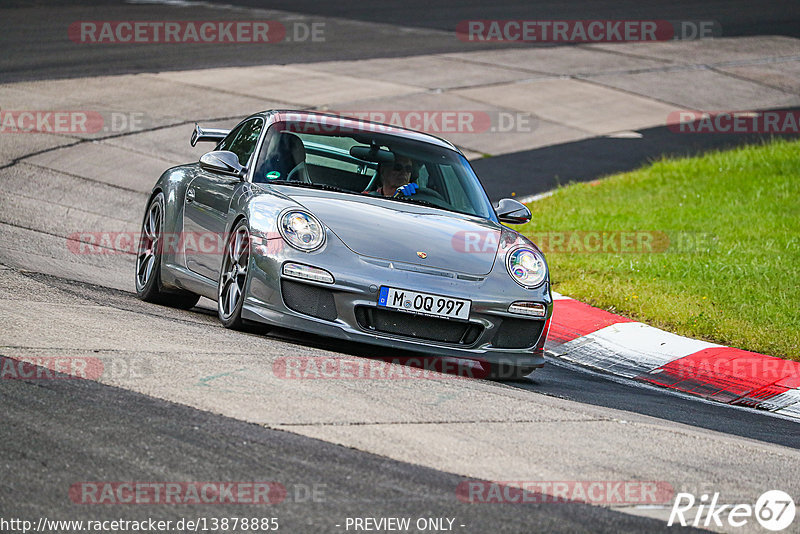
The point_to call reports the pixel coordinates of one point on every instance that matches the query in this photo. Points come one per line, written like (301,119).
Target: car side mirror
(512,212)
(223,161)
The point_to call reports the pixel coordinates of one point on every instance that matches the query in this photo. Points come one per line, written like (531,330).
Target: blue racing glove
(406,190)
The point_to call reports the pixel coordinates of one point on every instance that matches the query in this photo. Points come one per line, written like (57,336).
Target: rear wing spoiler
(207,134)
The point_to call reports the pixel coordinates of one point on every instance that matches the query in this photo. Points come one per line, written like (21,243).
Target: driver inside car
(395,178)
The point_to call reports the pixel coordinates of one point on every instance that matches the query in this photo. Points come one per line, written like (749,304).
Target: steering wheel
(428,192)
(430,195)
(299,174)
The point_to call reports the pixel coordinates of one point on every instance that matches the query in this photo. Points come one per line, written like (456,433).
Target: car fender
(173,183)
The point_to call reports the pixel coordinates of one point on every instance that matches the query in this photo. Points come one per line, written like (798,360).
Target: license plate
(424,303)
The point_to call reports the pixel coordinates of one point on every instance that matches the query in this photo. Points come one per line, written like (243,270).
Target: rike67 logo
(774,510)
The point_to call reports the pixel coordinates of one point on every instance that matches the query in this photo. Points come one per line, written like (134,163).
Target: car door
(208,199)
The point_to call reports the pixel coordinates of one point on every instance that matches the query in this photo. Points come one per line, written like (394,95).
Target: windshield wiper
(311,185)
(412,200)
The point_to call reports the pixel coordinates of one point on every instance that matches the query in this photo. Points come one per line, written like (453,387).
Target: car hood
(407,233)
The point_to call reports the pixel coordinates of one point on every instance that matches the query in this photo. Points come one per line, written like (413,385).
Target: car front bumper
(347,309)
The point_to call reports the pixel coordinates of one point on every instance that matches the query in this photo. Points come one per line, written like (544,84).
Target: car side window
(242,141)
(226,143)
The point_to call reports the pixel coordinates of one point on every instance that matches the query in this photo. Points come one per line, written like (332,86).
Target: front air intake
(309,300)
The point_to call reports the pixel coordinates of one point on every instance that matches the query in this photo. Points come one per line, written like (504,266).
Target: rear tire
(148,261)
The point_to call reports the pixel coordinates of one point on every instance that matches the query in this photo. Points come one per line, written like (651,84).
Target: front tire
(148,261)
(233,277)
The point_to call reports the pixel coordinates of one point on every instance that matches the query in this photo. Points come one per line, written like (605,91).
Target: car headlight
(526,267)
(301,230)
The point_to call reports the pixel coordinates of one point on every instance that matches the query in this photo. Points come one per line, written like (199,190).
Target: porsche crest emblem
(422,255)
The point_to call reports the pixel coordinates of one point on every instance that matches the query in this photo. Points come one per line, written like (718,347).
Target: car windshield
(377,163)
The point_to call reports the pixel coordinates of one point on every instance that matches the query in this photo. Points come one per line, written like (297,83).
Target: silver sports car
(350,229)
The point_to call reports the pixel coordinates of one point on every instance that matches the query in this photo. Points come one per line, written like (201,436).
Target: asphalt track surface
(57,432)
(36,46)
(98,429)
(35,43)
(736,18)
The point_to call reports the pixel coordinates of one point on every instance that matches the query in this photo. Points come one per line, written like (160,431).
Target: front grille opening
(417,326)
(309,300)
(518,333)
